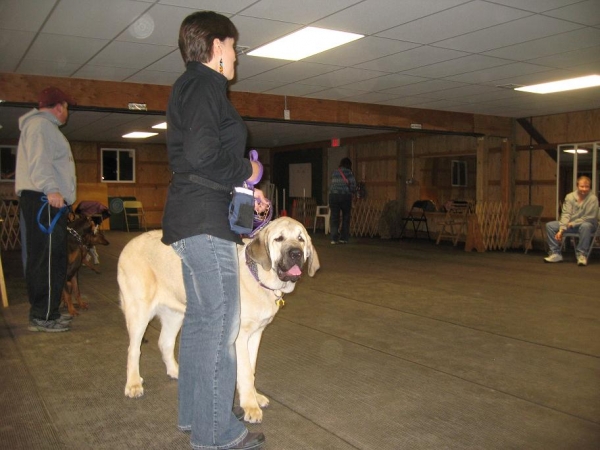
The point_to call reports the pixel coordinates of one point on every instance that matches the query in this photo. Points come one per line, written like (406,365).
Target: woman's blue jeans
(207,358)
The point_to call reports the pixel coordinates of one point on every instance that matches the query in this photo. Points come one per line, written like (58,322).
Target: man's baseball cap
(51,96)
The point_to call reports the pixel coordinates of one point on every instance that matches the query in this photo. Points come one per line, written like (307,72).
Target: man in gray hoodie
(46,184)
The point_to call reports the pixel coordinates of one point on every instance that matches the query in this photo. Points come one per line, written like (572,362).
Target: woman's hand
(261,203)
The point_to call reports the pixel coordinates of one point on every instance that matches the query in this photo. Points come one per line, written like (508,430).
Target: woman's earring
(221,66)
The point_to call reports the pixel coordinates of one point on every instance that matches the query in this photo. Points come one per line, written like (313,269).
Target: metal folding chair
(455,223)
(526,222)
(417,217)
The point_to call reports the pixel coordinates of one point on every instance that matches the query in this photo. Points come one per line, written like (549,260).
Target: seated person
(579,215)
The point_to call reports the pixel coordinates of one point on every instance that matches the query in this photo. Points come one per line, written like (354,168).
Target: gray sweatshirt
(577,213)
(44,159)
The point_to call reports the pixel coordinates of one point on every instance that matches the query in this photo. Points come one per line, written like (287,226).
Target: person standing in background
(206,142)
(46,185)
(341,188)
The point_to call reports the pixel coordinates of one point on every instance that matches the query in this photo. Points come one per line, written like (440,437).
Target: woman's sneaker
(581,260)
(48,326)
(554,257)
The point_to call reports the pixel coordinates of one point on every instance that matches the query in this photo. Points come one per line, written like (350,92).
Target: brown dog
(83,234)
(151,284)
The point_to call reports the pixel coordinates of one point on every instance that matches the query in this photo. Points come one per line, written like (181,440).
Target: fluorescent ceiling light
(562,85)
(579,150)
(139,135)
(304,43)
(160,126)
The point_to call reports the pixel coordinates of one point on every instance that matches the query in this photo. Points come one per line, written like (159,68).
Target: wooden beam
(24,89)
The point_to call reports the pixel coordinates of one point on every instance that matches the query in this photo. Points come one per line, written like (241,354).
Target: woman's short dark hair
(198,32)
(345,162)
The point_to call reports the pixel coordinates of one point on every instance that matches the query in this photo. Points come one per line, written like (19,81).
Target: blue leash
(60,212)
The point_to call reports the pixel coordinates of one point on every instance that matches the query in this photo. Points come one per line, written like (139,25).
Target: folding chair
(595,244)
(324,212)
(527,220)
(416,216)
(134,209)
(455,223)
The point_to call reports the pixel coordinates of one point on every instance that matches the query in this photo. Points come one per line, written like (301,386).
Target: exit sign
(335,142)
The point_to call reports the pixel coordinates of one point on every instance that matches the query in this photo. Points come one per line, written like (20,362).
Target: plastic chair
(416,216)
(324,212)
(455,221)
(527,220)
(134,209)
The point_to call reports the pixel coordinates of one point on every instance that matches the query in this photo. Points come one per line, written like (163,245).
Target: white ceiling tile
(537,6)
(154,77)
(361,51)
(341,77)
(453,22)
(567,60)
(465,64)
(69,49)
(335,93)
(256,32)
(303,12)
(248,66)
(13,44)
(559,43)
(411,59)
(160,25)
(407,100)
(130,55)
(223,6)
(24,15)
(367,97)
(498,73)
(386,82)
(102,20)
(462,91)
(586,13)
(295,90)
(425,87)
(294,72)
(515,32)
(172,62)
(47,68)
(92,72)
(251,85)
(374,16)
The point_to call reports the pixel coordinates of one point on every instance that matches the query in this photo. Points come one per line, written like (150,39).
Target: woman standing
(341,187)
(206,141)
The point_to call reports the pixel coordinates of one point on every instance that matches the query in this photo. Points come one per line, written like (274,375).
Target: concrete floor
(392,345)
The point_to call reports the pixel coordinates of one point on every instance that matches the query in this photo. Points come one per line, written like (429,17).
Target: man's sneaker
(49,326)
(333,242)
(554,257)
(343,242)
(581,260)
(65,319)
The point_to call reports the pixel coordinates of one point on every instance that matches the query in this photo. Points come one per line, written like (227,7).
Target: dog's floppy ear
(313,258)
(258,250)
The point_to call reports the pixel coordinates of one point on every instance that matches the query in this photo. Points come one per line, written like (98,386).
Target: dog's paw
(134,390)
(173,372)
(253,414)
(83,305)
(262,400)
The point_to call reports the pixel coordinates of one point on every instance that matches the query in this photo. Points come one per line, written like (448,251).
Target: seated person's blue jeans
(585,230)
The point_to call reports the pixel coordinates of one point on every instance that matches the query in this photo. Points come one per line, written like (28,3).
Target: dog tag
(280,302)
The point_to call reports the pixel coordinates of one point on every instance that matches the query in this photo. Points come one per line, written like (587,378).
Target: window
(459,173)
(118,165)
(8,162)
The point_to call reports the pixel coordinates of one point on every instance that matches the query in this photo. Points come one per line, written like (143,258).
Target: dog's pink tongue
(295,271)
